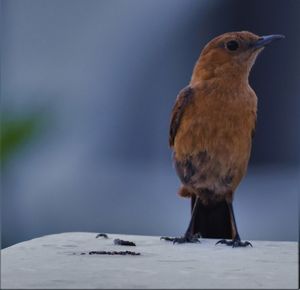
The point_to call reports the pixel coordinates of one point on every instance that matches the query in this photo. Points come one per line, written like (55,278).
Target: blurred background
(87,88)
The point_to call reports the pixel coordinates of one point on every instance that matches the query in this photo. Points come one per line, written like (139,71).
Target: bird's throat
(229,73)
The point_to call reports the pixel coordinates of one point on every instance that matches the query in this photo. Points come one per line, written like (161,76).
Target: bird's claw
(234,243)
(182,240)
(169,239)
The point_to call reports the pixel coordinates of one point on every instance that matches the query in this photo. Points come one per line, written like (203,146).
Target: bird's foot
(235,243)
(184,239)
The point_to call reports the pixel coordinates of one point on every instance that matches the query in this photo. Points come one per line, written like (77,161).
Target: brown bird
(211,131)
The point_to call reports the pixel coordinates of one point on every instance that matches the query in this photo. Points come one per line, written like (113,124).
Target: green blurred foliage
(16,131)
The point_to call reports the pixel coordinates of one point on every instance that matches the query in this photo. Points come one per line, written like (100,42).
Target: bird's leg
(188,237)
(236,242)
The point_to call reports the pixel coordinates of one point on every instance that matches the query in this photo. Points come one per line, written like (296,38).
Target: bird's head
(231,55)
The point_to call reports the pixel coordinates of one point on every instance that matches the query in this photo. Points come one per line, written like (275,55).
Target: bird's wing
(254,129)
(182,100)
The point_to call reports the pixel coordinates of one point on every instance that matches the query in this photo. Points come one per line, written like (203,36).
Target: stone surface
(55,261)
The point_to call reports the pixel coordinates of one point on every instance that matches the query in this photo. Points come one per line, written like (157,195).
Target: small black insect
(124,243)
(102,235)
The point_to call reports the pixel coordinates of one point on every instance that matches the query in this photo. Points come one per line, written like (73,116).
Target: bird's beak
(267,39)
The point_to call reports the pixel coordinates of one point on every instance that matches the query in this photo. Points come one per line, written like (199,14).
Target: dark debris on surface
(122,253)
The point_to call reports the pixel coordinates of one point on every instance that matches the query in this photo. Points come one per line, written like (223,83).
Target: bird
(212,125)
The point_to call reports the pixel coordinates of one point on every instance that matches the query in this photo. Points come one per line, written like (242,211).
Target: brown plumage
(211,130)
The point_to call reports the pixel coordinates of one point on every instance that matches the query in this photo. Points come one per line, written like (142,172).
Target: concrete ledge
(56,261)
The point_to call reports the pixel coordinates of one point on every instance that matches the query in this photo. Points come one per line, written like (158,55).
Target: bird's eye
(232,45)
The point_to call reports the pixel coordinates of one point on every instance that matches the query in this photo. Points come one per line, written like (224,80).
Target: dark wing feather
(253,130)
(182,100)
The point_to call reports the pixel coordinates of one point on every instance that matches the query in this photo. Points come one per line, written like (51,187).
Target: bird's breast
(222,129)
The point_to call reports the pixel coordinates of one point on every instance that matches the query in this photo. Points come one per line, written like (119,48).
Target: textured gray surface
(55,262)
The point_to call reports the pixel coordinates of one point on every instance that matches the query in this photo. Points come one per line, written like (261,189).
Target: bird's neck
(229,74)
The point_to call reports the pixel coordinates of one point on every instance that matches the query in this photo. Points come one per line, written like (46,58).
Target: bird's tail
(212,221)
